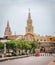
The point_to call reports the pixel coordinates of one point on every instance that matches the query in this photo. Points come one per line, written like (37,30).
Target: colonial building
(50,38)
(29,35)
(44,43)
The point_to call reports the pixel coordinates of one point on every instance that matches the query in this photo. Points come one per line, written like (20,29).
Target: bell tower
(7,30)
(29,27)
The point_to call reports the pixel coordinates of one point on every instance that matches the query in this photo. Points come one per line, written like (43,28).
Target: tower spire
(8,23)
(7,30)
(29,10)
(29,15)
(29,27)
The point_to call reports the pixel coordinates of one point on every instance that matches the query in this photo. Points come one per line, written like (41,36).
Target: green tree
(34,45)
(11,45)
(1,45)
(19,45)
(27,46)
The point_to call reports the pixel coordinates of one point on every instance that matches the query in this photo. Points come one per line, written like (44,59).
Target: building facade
(44,43)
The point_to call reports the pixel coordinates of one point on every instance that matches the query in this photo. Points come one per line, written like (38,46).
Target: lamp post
(4,53)
(4,49)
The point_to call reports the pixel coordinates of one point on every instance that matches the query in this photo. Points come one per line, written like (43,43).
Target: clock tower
(29,27)
(29,36)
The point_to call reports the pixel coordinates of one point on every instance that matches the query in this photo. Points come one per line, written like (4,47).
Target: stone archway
(42,49)
(29,36)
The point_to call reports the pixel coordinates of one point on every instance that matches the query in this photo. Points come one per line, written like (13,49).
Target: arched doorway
(29,36)
(42,49)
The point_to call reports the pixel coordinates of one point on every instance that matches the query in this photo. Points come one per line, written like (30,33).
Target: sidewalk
(52,62)
(14,57)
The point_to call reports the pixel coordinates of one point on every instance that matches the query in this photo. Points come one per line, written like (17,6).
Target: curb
(11,58)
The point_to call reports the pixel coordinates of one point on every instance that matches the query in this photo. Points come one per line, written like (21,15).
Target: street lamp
(4,49)
(4,53)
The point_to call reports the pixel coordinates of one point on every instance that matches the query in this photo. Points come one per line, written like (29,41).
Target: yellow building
(50,38)
(40,38)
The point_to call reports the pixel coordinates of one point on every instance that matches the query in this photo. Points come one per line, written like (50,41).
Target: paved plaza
(41,60)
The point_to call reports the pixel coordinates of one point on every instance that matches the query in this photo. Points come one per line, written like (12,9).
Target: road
(41,60)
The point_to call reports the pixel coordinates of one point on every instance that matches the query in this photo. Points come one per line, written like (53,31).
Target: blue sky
(16,11)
